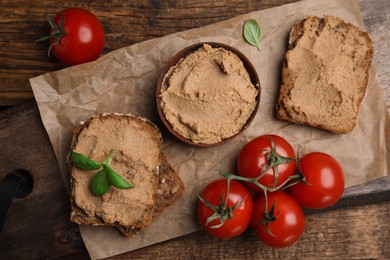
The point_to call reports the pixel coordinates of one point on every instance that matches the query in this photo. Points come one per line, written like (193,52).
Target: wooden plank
(376,14)
(38,225)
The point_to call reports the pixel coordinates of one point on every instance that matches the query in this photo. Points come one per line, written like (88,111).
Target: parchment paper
(124,81)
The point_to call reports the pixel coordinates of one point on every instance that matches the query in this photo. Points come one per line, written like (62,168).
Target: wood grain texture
(376,14)
(39,226)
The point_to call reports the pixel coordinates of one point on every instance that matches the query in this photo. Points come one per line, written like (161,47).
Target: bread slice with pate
(325,74)
(138,159)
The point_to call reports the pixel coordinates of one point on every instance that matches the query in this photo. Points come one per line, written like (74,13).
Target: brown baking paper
(125,81)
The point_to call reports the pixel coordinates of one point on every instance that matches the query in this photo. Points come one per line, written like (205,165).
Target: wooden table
(38,226)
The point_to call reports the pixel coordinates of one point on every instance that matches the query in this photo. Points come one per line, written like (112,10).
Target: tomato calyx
(56,33)
(268,217)
(221,212)
(273,161)
(300,176)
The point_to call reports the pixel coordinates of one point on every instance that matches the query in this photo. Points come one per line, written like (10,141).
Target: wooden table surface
(357,227)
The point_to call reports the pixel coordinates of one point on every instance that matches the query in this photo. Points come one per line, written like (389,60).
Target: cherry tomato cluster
(282,184)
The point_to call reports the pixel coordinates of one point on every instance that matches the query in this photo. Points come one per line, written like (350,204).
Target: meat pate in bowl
(207,94)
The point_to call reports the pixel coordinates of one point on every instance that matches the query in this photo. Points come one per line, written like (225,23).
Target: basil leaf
(84,162)
(100,185)
(252,32)
(115,179)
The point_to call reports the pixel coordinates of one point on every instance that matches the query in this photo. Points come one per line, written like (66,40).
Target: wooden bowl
(183,53)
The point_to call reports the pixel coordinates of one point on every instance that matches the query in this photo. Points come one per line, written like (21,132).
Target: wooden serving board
(38,225)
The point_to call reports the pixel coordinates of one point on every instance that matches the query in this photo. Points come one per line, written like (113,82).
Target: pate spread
(136,159)
(208,95)
(325,74)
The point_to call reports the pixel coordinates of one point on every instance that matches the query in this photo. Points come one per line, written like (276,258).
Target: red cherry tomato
(286,224)
(325,181)
(235,224)
(253,157)
(84,39)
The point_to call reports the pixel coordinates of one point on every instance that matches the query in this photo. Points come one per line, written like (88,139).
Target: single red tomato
(259,156)
(323,181)
(286,221)
(77,36)
(237,220)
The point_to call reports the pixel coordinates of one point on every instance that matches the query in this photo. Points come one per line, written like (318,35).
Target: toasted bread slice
(325,74)
(138,159)
(170,188)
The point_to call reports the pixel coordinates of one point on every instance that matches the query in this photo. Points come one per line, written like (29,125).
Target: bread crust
(338,116)
(160,201)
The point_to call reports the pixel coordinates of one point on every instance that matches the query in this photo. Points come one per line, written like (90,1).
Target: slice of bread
(325,74)
(170,188)
(138,159)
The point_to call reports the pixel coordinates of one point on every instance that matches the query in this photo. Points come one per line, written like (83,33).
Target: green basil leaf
(252,32)
(100,184)
(115,179)
(84,162)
